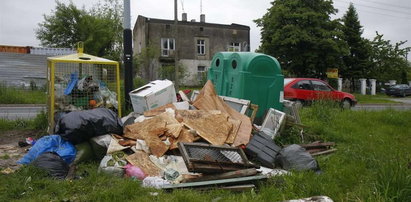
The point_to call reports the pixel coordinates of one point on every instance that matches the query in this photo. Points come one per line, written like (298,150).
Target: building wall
(217,38)
(190,67)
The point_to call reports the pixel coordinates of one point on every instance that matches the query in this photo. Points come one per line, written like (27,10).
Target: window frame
(233,47)
(201,47)
(165,51)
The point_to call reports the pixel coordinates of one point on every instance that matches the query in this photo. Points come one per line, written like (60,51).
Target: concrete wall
(190,66)
(217,38)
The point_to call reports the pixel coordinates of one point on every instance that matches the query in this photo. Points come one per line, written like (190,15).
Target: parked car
(306,90)
(399,90)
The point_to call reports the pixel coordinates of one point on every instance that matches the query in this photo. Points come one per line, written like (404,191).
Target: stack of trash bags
(80,135)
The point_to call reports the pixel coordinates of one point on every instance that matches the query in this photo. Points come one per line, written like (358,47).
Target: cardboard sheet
(139,130)
(208,100)
(214,128)
(234,130)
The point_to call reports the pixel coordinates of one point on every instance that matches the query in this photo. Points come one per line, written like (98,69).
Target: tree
(389,61)
(302,36)
(99,28)
(357,62)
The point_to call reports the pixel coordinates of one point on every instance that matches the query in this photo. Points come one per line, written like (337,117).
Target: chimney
(202,18)
(184,17)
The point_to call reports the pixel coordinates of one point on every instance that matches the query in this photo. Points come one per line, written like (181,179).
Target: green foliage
(302,36)
(99,28)
(168,72)
(389,61)
(373,99)
(357,62)
(40,122)
(13,95)
(146,61)
(369,165)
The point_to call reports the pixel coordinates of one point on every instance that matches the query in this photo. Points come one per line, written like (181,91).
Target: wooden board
(227,175)
(142,160)
(208,100)
(172,125)
(214,128)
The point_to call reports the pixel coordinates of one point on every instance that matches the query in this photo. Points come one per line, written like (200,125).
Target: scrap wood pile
(178,145)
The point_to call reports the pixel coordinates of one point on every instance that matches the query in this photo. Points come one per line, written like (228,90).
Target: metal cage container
(80,82)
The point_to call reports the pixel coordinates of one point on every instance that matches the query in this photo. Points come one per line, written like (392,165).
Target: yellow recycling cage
(79,82)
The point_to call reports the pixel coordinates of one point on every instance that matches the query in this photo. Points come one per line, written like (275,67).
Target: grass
(40,122)
(374,99)
(13,95)
(369,165)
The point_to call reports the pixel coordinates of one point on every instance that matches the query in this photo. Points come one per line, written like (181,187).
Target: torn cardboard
(208,100)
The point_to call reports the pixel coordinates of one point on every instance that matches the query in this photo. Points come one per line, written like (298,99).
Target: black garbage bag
(294,157)
(80,126)
(54,165)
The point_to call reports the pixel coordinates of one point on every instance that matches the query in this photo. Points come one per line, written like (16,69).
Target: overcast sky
(20,18)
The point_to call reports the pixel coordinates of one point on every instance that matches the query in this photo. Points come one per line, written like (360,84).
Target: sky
(20,18)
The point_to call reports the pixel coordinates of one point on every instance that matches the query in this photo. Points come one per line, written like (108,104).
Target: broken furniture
(263,149)
(206,158)
(272,122)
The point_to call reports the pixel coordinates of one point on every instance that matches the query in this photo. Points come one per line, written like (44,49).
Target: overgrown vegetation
(40,122)
(369,165)
(14,95)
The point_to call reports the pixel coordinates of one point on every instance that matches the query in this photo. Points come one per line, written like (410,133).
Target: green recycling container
(252,76)
(216,74)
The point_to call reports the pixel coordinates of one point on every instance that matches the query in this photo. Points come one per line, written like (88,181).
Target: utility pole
(128,54)
(176,80)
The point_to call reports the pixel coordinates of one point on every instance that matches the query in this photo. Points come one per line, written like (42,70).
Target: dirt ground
(10,151)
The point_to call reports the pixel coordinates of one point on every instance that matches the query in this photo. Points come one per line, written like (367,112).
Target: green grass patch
(374,99)
(13,95)
(40,122)
(370,164)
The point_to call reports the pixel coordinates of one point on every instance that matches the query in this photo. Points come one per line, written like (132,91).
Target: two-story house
(195,45)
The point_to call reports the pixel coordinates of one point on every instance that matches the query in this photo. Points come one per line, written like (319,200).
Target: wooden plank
(235,181)
(318,145)
(324,152)
(138,130)
(227,175)
(142,160)
(208,100)
(184,97)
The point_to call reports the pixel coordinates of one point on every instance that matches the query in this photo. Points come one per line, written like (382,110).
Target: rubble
(198,143)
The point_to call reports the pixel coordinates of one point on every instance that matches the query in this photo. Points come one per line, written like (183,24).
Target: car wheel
(346,104)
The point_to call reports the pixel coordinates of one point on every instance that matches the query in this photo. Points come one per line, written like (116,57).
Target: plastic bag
(113,164)
(50,143)
(295,157)
(80,126)
(53,164)
(134,171)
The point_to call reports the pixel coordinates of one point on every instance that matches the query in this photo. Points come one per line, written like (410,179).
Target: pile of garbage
(74,92)
(197,143)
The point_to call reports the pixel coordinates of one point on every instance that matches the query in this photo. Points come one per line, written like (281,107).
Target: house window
(201,73)
(201,47)
(167,46)
(234,47)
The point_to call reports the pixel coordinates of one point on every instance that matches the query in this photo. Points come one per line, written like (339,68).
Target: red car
(305,90)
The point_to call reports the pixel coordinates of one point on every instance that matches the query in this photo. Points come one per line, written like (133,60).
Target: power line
(373,7)
(385,14)
(390,5)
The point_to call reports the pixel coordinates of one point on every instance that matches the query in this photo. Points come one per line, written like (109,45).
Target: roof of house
(202,24)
